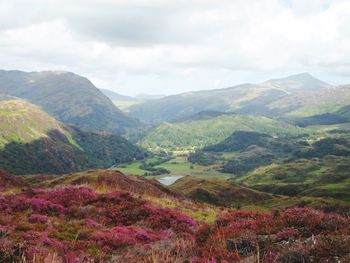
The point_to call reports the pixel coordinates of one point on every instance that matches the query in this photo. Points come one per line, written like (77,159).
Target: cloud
(163,46)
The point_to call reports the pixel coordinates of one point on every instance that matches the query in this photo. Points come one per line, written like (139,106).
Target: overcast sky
(170,46)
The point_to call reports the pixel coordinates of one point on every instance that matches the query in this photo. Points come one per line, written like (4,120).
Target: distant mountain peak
(300,81)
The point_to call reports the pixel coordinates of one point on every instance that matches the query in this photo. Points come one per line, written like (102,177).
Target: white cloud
(160,46)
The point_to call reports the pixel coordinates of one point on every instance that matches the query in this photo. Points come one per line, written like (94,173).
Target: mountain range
(276,97)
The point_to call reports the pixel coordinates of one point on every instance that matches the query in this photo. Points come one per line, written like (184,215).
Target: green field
(179,165)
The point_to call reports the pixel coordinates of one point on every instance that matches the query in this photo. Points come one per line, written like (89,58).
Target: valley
(87,179)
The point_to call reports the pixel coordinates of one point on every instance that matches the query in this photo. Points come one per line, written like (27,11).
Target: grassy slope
(316,177)
(23,122)
(31,141)
(189,134)
(218,191)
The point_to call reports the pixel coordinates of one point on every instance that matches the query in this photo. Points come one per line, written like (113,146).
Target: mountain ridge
(244,98)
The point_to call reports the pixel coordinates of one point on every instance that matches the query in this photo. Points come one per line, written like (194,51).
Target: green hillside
(217,191)
(31,141)
(317,177)
(195,132)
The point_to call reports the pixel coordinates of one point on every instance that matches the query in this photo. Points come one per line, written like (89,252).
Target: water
(168,180)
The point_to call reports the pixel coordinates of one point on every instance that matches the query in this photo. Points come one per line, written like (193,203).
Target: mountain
(208,128)
(31,141)
(245,99)
(68,97)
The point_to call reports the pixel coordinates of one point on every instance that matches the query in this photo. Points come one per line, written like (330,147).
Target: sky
(173,46)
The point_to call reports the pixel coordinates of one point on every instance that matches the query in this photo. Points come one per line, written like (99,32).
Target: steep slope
(68,97)
(218,191)
(31,141)
(246,98)
(206,129)
(23,122)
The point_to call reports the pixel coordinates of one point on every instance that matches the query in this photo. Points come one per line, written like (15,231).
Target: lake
(168,180)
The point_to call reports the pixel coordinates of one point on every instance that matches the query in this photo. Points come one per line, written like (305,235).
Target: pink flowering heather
(37,218)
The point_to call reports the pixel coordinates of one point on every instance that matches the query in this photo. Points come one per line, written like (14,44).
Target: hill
(245,98)
(324,177)
(31,141)
(243,151)
(241,140)
(8,181)
(218,191)
(109,180)
(339,116)
(205,129)
(68,97)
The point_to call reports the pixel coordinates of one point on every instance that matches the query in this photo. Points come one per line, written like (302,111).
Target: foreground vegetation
(66,222)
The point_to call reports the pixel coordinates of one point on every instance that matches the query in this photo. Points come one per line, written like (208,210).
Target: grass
(179,165)
(315,177)
(131,168)
(200,212)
